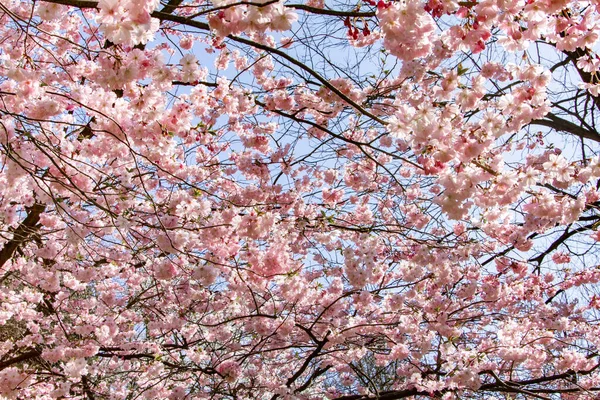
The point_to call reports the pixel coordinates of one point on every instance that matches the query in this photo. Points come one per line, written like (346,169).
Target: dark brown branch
(323,11)
(563,237)
(498,387)
(76,3)
(171,6)
(559,124)
(20,358)
(22,233)
(390,395)
(312,355)
(86,388)
(586,77)
(318,372)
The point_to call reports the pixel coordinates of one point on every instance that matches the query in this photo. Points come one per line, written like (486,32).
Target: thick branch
(559,124)
(587,77)
(313,355)
(76,3)
(171,6)
(318,372)
(22,233)
(323,11)
(498,387)
(20,358)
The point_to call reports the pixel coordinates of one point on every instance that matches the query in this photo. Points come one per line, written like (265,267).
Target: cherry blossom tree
(299,200)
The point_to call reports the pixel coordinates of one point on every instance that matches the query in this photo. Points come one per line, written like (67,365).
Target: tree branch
(559,124)
(22,233)
(22,357)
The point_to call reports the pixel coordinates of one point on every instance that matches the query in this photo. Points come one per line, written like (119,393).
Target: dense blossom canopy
(272,199)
